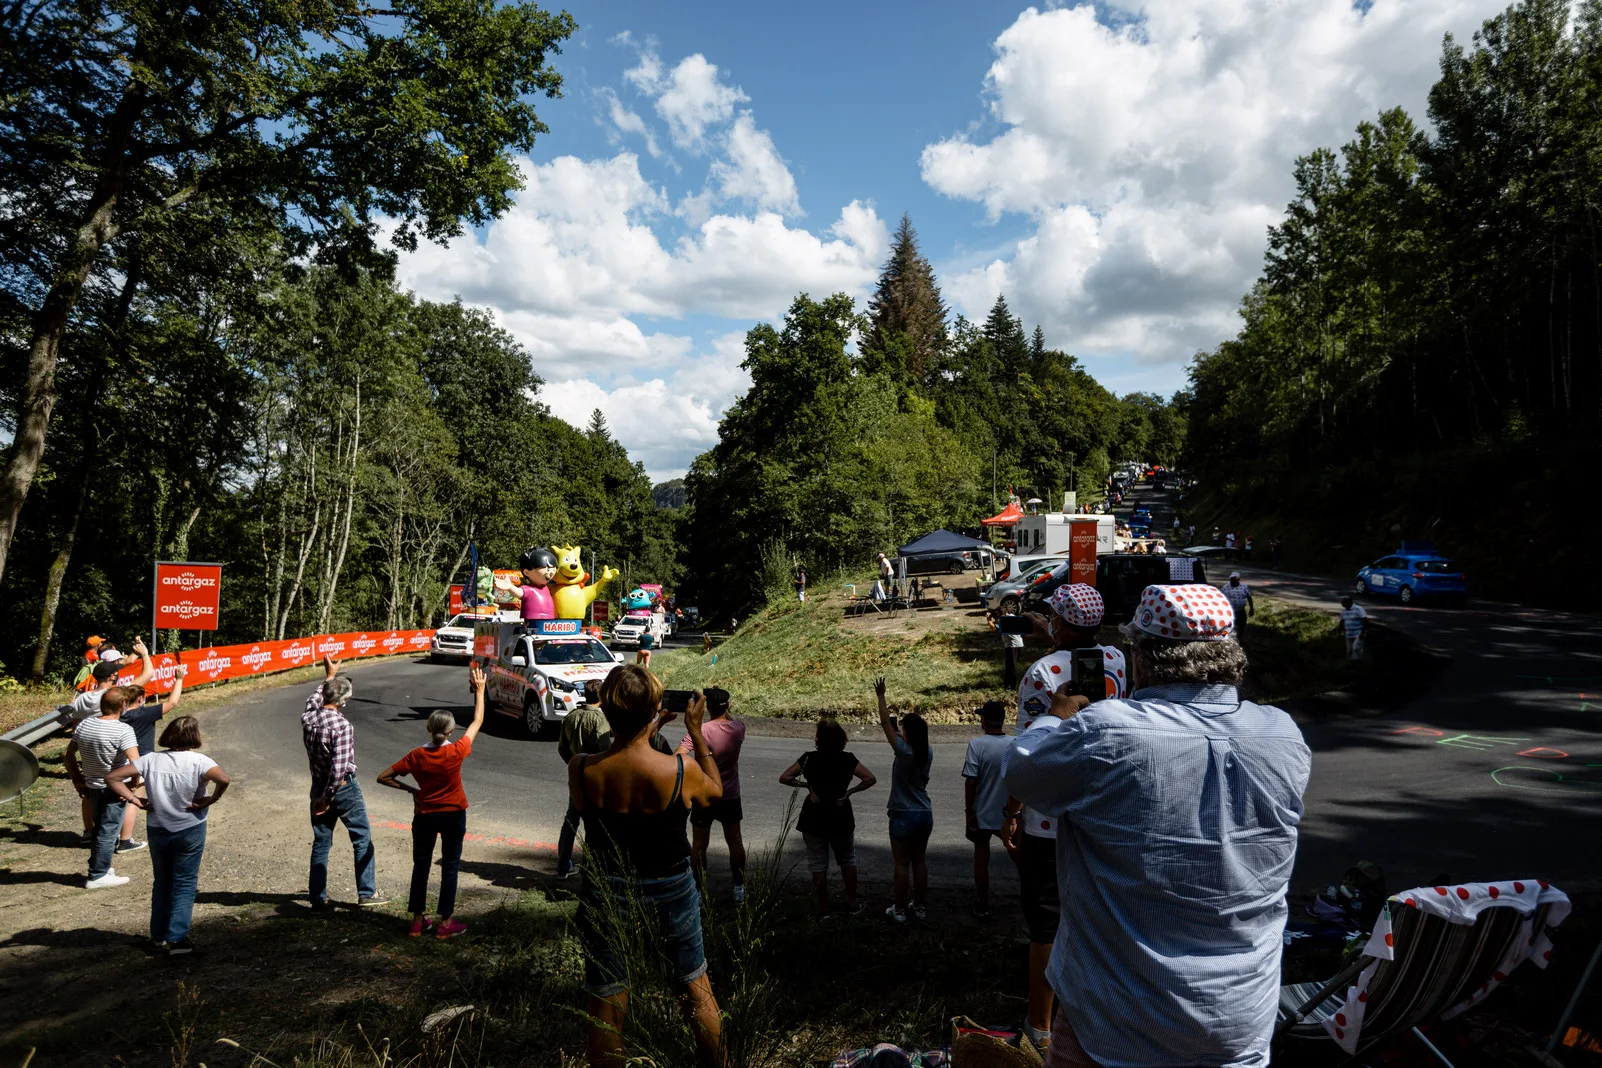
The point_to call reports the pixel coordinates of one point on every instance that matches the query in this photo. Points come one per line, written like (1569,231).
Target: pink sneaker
(449,929)
(421,926)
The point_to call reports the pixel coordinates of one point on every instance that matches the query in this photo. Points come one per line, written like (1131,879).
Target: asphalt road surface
(1495,773)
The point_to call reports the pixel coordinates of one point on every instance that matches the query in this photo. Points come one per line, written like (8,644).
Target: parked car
(1006,596)
(1412,574)
(952,563)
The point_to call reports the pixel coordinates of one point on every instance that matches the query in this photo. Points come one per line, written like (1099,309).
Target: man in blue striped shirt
(1181,804)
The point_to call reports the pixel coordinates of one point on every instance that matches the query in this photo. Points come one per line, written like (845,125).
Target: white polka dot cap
(1078,605)
(1190,613)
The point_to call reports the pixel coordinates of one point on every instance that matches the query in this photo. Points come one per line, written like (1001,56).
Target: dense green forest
(1423,351)
(839,450)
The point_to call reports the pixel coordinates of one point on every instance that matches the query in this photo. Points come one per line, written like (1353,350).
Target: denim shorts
(911,827)
(653,917)
(844,846)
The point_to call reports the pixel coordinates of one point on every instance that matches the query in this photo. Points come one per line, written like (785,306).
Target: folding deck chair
(1436,951)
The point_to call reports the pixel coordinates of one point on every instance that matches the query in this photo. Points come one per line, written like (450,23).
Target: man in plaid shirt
(336,796)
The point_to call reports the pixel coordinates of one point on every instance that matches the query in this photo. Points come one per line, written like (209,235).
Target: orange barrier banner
(219,663)
(1082,550)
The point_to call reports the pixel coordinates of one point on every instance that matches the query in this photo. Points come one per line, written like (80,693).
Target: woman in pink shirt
(724,736)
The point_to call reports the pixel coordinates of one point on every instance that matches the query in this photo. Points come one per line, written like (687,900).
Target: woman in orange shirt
(439,807)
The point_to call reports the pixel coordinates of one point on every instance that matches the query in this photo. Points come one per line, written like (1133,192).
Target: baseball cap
(1234,574)
(94,641)
(109,652)
(1079,605)
(104,670)
(1194,612)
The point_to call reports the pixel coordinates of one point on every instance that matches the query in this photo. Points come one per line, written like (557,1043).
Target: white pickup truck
(539,678)
(628,630)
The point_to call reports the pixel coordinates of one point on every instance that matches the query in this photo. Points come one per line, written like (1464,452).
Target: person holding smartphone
(635,804)
(1029,835)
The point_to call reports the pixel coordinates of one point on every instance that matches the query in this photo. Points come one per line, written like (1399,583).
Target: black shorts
(724,810)
(1037,886)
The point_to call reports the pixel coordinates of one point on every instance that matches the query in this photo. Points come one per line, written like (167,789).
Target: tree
(121,116)
(907,318)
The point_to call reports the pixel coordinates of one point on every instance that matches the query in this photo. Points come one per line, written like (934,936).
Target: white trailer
(1048,534)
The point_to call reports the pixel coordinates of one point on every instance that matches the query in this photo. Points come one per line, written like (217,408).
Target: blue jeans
(664,914)
(108,826)
(564,842)
(450,828)
(175,868)
(347,807)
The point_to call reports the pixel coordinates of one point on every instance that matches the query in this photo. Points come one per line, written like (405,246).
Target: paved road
(518,786)
(1495,773)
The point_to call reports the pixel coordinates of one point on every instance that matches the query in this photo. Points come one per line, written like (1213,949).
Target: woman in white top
(176,802)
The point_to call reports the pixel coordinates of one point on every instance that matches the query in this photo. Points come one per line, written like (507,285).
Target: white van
(1047,535)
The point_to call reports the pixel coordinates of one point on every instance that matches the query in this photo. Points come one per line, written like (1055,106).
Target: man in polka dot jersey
(1183,802)
(1076,613)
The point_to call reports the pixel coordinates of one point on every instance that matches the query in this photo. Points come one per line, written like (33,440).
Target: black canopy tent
(944,541)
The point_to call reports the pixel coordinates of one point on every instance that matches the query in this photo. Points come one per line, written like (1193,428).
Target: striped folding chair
(1436,951)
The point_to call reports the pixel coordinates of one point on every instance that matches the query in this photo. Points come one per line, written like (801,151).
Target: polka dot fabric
(1078,605)
(1463,905)
(1189,613)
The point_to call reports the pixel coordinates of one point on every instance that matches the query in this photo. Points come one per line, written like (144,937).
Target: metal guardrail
(39,729)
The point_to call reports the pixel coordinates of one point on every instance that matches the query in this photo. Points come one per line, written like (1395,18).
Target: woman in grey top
(911,814)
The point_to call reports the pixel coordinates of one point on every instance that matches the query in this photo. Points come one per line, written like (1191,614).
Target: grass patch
(798,661)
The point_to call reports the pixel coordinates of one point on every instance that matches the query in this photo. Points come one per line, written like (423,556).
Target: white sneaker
(109,879)
(739,893)
(895,915)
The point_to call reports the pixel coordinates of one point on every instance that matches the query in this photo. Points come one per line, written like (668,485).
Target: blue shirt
(1179,807)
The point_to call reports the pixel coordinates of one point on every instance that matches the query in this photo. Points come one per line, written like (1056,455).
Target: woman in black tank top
(635,804)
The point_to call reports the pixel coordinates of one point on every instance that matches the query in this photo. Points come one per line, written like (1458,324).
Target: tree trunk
(95,228)
(58,572)
(335,561)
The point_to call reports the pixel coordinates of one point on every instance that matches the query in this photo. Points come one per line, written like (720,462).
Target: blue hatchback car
(1412,574)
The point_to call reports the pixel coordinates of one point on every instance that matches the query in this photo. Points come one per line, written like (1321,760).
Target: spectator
(827,823)
(1354,625)
(1010,644)
(1239,596)
(336,796)
(887,570)
(1249,543)
(142,715)
(911,813)
(103,743)
(1173,884)
(723,736)
(1229,540)
(1029,835)
(801,585)
(635,803)
(1273,551)
(177,803)
(1216,535)
(985,796)
(84,680)
(104,674)
(642,658)
(584,730)
(439,810)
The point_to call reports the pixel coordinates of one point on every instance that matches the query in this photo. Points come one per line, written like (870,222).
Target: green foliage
(1426,291)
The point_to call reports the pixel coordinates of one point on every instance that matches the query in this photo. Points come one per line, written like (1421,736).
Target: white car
(540,680)
(629,629)
(454,640)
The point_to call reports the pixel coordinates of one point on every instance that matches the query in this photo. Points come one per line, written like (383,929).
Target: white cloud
(626,121)
(691,97)
(753,170)
(1153,155)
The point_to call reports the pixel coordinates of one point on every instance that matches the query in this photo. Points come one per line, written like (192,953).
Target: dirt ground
(932,616)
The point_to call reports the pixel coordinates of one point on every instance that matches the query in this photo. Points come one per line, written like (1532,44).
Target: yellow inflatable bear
(572,598)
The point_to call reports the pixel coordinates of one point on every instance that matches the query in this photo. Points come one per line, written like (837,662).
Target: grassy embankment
(800,661)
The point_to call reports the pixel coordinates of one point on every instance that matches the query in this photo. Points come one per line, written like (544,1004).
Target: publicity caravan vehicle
(537,670)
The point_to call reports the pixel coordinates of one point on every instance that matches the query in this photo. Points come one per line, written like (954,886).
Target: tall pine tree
(907,318)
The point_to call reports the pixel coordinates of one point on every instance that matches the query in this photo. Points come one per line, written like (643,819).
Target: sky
(1112,170)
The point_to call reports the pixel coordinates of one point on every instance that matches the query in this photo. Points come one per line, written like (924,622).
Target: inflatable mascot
(539,570)
(572,597)
(637,601)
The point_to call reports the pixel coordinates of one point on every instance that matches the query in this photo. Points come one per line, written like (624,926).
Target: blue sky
(1111,170)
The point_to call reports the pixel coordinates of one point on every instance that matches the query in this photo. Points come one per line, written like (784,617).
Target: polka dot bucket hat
(1078,605)
(1190,613)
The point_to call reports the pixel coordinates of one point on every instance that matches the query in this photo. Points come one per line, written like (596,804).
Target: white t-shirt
(87,704)
(1043,679)
(102,746)
(173,779)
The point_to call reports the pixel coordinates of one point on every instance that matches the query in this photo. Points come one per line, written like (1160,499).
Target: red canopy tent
(1008,516)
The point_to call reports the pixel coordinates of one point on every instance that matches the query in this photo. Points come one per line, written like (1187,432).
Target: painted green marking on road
(1552,781)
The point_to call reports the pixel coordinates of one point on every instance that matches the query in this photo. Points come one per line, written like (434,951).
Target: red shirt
(438,772)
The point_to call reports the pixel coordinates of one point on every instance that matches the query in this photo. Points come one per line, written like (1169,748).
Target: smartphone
(677,700)
(892,723)
(1015,625)
(1090,674)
